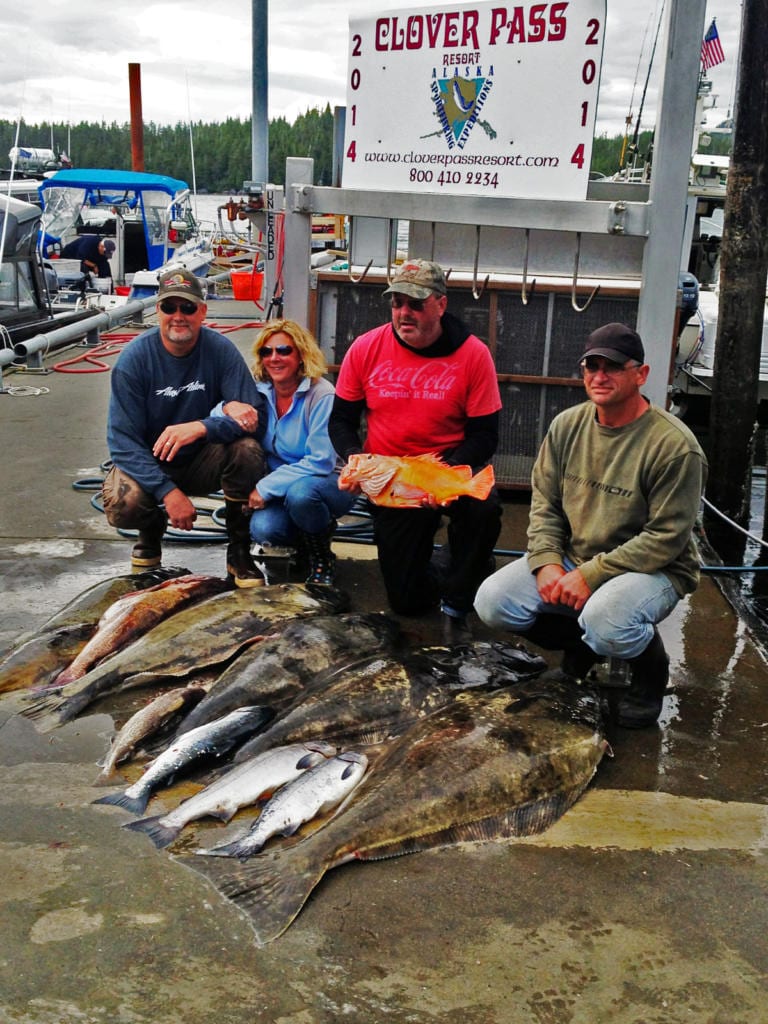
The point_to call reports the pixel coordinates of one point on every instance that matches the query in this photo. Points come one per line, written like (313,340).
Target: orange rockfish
(404,481)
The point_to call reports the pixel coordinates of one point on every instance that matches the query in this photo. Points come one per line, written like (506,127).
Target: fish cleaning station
(641,901)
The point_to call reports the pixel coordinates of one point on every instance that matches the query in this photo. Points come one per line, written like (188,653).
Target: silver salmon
(488,765)
(315,792)
(209,742)
(245,784)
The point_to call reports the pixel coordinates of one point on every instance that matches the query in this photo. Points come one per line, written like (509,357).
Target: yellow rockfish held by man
(405,481)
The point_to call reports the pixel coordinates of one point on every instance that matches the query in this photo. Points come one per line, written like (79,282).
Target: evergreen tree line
(222,151)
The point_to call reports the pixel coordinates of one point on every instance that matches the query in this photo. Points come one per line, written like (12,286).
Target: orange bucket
(247,284)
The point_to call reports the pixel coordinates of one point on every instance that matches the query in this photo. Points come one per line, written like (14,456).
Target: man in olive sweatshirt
(616,490)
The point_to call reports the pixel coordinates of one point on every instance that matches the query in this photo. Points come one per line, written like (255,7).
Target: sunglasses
(169,307)
(281,350)
(594,364)
(398,301)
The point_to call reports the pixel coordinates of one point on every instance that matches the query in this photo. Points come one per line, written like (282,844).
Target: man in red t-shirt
(425,384)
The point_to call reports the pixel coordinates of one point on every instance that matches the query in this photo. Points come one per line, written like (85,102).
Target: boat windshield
(62,209)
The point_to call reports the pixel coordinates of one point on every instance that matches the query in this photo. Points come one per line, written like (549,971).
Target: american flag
(711,50)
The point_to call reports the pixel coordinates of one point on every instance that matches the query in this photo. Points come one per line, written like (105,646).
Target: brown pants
(232,468)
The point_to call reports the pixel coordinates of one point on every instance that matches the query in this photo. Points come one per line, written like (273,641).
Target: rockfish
(404,481)
(315,792)
(40,656)
(303,654)
(486,766)
(243,785)
(209,742)
(209,633)
(136,613)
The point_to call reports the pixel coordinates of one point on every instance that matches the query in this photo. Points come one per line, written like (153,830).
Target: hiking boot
(240,564)
(649,673)
(147,552)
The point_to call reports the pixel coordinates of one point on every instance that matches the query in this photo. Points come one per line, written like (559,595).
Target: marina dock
(645,903)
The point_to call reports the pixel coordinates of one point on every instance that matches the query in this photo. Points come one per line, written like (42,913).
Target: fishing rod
(632,149)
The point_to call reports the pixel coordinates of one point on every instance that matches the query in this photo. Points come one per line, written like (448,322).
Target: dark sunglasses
(169,307)
(398,301)
(594,364)
(282,350)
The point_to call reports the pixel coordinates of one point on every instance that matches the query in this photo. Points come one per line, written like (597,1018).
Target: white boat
(149,217)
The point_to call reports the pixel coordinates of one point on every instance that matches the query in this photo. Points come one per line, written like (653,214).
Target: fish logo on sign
(458,102)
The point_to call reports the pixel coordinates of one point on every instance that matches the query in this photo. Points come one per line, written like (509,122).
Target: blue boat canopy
(119,181)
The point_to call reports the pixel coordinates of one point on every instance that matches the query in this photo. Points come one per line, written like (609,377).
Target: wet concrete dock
(645,903)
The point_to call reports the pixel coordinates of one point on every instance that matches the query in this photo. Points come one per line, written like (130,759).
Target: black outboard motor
(689,290)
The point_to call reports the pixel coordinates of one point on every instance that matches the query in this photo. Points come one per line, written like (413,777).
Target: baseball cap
(419,279)
(182,283)
(109,246)
(616,342)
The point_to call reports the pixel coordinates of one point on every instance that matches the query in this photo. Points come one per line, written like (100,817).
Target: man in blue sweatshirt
(163,442)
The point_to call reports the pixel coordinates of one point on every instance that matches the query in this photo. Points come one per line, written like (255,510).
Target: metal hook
(390,239)
(475,293)
(524,294)
(595,290)
(352,278)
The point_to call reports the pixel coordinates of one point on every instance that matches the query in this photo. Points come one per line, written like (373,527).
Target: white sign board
(474,99)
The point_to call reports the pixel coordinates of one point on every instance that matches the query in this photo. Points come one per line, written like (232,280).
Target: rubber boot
(240,564)
(147,552)
(649,674)
(563,633)
(322,561)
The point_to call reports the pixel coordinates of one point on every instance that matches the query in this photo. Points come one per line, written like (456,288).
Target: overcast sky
(66,62)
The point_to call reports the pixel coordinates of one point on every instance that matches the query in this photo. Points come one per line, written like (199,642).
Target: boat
(149,217)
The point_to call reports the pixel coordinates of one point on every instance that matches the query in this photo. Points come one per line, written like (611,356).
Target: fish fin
(161,835)
(236,848)
(481,485)
(134,804)
(270,890)
(47,712)
(110,778)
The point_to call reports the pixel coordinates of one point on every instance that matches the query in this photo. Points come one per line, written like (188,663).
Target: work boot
(147,552)
(563,633)
(455,628)
(649,675)
(240,564)
(322,561)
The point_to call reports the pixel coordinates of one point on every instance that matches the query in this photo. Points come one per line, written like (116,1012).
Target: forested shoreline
(222,151)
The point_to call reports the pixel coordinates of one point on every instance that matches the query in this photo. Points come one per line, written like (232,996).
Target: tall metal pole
(260,95)
(137,118)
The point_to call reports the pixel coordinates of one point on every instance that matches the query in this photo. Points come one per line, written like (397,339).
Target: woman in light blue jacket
(298,500)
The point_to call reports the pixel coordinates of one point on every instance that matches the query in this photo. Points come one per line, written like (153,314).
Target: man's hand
(243,414)
(557,586)
(181,511)
(175,437)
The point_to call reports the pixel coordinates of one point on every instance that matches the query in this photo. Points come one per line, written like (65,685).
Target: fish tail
(238,848)
(50,711)
(161,835)
(134,804)
(481,484)
(270,890)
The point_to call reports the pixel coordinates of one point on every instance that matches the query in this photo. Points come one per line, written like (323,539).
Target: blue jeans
(617,620)
(309,506)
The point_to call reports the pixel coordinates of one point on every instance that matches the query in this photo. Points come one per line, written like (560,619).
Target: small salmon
(314,792)
(146,722)
(404,481)
(206,743)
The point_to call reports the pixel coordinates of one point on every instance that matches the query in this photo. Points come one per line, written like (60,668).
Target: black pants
(405,540)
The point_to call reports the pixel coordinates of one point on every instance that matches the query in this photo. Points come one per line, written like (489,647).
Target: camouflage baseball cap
(419,279)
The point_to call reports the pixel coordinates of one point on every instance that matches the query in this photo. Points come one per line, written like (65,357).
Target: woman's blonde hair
(312,363)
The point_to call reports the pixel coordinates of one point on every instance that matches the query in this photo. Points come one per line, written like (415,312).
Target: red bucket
(247,284)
